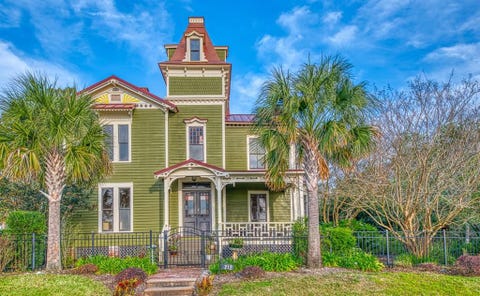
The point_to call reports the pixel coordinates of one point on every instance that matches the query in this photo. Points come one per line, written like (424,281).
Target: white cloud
(13,63)
(9,16)
(332,17)
(344,37)
(245,91)
(463,59)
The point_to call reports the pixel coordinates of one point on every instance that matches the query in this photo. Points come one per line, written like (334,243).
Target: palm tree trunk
(314,258)
(54,181)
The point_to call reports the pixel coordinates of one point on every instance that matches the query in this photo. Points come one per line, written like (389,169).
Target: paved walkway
(178,272)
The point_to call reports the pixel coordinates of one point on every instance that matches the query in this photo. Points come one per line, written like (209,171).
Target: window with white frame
(196,136)
(258,206)
(256,154)
(194,49)
(115,207)
(196,143)
(117,141)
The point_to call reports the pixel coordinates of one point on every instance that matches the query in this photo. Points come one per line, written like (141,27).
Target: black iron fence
(191,247)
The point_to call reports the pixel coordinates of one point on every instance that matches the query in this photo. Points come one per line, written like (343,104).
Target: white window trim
(267,203)
(116,146)
(248,154)
(194,35)
(194,123)
(115,93)
(116,202)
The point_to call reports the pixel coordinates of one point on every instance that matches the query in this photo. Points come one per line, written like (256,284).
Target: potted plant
(174,244)
(236,243)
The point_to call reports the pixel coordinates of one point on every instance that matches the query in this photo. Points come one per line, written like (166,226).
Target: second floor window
(117,141)
(256,154)
(194,49)
(196,143)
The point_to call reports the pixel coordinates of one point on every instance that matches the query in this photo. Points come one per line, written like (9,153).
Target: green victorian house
(184,160)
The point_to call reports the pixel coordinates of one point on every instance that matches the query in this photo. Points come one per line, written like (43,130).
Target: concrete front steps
(170,287)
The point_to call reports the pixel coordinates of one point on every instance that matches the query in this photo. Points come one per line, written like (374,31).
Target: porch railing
(256,229)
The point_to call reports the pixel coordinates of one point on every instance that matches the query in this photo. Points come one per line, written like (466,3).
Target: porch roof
(190,164)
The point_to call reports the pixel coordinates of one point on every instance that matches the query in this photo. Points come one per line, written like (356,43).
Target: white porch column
(218,186)
(166,199)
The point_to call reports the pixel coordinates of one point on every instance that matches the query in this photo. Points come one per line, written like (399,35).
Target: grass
(357,283)
(50,284)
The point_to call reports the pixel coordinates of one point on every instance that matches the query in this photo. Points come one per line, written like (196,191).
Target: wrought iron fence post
(151,246)
(93,243)
(388,248)
(165,249)
(33,251)
(202,249)
(445,246)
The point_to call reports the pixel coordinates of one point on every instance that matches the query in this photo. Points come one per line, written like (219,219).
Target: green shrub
(6,251)
(300,239)
(337,239)
(353,259)
(26,222)
(267,261)
(114,265)
(21,225)
(357,259)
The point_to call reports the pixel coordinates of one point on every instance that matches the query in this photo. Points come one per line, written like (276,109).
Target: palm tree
(53,136)
(321,114)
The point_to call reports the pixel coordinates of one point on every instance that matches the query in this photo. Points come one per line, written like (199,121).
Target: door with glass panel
(197,206)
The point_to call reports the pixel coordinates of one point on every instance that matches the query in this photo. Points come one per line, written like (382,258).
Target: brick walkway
(178,272)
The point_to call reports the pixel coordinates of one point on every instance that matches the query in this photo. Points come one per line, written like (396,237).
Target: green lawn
(358,283)
(50,284)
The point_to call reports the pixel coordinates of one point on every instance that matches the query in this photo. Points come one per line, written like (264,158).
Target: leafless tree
(425,174)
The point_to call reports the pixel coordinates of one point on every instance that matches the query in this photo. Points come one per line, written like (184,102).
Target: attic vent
(115,89)
(115,98)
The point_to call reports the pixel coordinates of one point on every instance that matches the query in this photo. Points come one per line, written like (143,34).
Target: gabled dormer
(196,69)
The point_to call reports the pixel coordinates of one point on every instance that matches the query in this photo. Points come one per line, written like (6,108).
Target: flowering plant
(174,242)
(126,287)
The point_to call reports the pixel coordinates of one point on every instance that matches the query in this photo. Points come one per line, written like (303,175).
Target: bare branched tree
(425,174)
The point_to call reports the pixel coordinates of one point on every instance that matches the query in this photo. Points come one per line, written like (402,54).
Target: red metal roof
(185,163)
(240,118)
(127,84)
(208,48)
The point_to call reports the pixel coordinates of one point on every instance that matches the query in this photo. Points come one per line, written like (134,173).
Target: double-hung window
(194,49)
(115,210)
(256,154)
(117,141)
(196,142)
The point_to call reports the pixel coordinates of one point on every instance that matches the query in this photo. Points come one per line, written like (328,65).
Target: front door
(196,206)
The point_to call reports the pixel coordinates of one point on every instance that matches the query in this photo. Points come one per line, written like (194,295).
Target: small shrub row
(353,259)
(267,261)
(114,265)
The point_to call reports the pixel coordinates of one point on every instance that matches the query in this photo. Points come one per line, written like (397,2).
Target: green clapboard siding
(236,147)
(148,156)
(222,54)
(237,203)
(170,52)
(177,133)
(195,86)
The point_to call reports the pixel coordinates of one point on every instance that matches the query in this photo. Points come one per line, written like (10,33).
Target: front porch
(210,199)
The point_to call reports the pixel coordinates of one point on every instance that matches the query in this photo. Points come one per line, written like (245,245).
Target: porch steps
(170,287)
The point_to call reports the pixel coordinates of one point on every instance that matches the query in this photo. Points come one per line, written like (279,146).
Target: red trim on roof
(186,162)
(143,90)
(113,106)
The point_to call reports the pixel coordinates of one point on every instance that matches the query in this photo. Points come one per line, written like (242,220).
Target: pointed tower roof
(196,26)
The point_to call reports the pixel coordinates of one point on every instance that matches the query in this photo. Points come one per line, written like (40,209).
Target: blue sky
(388,42)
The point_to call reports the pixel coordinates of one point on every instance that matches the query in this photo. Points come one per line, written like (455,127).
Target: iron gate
(185,246)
